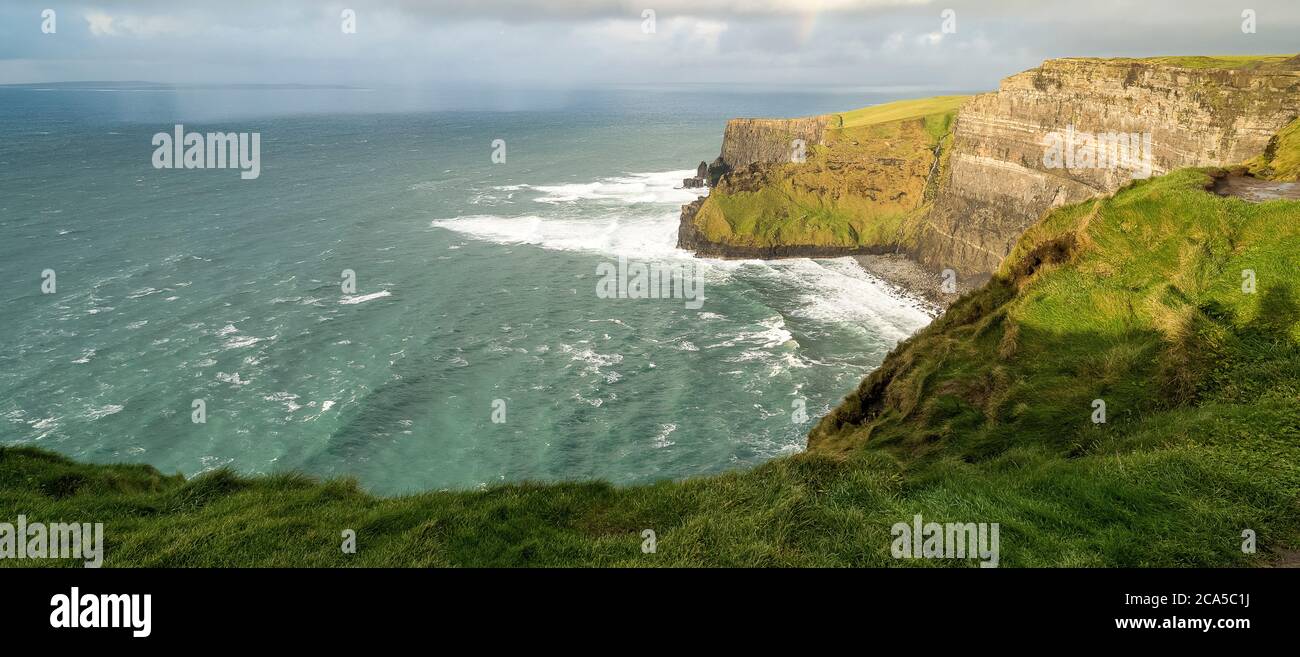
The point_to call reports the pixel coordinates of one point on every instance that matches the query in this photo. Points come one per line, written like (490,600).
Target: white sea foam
(325,406)
(287,398)
(44,426)
(592,360)
(594,402)
(241,342)
(833,291)
(232,379)
(102,411)
(770,333)
(653,187)
(839,291)
(653,237)
(836,291)
(364,297)
(661,440)
(611,229)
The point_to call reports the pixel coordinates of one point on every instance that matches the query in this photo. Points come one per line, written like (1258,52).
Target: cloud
(574,43)
(100,23)
(103,24)
(516,10)
(929,38)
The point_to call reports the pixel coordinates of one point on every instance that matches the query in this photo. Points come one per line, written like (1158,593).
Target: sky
(601,43)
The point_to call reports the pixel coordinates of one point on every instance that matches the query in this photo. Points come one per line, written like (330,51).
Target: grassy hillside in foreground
(864,187)
(982,417)
(1136,300)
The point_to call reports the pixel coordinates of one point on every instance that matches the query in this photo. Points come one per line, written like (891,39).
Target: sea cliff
(1197,111)
(839,184)
(953,182)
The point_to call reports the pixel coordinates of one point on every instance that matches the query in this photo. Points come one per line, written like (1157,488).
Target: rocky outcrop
(998,183)
(700,179)
(822,186)
(747,141)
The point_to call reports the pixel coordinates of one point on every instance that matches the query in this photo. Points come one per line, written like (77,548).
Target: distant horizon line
(89,85)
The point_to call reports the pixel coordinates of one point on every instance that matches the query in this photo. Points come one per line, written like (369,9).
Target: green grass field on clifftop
(1224,62)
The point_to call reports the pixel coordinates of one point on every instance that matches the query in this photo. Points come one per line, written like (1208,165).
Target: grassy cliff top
(1222,62)
(911,108)
(898,110)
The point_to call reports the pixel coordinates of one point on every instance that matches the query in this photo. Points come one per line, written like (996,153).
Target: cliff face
(998,184)
(983,179)
(747,141)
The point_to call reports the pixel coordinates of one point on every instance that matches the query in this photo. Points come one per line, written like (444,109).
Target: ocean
(475,348)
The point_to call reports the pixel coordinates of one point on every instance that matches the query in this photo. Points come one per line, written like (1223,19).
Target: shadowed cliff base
(1255,190)
(914,280)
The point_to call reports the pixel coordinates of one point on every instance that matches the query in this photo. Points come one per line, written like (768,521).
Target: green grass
(899,110)
(1281,159)
(781,213)
(1136,300)
(1230,62)
(1221,62)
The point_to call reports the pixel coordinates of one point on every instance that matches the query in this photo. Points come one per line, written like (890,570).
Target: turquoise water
(475,282)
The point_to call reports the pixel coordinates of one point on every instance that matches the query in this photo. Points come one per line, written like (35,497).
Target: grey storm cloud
(572,43)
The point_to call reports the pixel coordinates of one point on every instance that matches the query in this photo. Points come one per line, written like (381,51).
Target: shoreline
(911,280)
(908,279)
